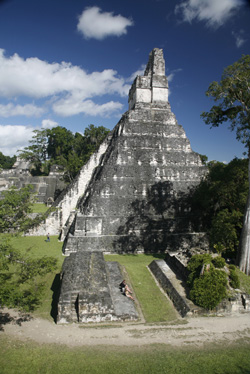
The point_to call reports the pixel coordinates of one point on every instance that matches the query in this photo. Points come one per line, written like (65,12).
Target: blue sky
(71,63)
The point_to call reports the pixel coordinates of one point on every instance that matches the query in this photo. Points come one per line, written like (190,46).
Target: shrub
(195,265)
(207,284)
(219,262)
(209,289)
(234,280)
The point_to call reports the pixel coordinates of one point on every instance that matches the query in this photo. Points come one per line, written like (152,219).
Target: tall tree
(232,94)
(37,152)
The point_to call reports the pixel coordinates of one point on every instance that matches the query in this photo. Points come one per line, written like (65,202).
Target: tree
(232,94)
(37,152)
(60,143)
(6,162)
(221,212)
(61,147)
(14,207)
(20,274)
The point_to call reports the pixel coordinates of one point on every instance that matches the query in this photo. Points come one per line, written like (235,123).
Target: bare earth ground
(192,331)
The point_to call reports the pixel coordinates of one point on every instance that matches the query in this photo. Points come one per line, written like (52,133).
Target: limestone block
(159,94)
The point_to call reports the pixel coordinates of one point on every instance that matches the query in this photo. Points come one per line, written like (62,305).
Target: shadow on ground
(6,318)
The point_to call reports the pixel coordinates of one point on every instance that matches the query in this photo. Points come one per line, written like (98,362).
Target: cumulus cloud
(9,144)
(239,38)
(213,12)
(60,82)
(28,110)
(71,106)
(93,23)
(49,124)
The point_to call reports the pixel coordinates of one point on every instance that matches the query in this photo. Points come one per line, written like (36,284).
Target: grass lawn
(154,304)
(39,208)
(244,281)
(31,358)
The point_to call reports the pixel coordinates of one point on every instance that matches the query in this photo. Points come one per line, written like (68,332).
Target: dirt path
(191,331)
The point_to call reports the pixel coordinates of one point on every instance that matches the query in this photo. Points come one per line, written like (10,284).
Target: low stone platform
(90,291)
(172,285)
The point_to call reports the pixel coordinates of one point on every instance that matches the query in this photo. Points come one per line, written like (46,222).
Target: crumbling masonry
(136,199)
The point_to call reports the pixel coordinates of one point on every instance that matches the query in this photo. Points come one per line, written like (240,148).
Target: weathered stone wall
(90,291)
(44,187)
(138,198)
(171,286)
(66,204)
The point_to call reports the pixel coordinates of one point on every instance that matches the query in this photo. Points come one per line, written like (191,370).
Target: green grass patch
(39,208)
(154,304)
(31,358)
(38,247)
(244,281)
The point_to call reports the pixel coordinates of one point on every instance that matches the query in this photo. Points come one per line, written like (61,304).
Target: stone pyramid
(137,199)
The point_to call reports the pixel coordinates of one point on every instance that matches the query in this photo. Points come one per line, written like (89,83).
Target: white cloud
(71,106)
(49,124)
(28,110)
(13,138)
(239,38)
(213,12)
(171,75)
(93,23)
(62,82)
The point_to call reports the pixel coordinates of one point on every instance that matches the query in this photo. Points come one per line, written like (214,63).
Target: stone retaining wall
(162,273)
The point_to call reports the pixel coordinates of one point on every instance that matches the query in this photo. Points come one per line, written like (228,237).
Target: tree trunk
(244,254)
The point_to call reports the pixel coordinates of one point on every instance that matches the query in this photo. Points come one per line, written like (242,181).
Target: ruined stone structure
(137,198)
(90,291)
(46,188)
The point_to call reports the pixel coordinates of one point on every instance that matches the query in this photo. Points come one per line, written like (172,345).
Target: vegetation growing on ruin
(208,281)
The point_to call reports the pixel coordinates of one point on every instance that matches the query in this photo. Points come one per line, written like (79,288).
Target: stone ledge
(173,287)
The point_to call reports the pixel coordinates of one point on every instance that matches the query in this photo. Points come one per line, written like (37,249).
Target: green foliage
(209,289)
(204,159)
(21,276)
(219,202)
(61,147)
(244,281)
(218,262)
(195,265)
(14,207)
(232,94)
(36,153)
(207,284)
(6,162)
(234,279)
